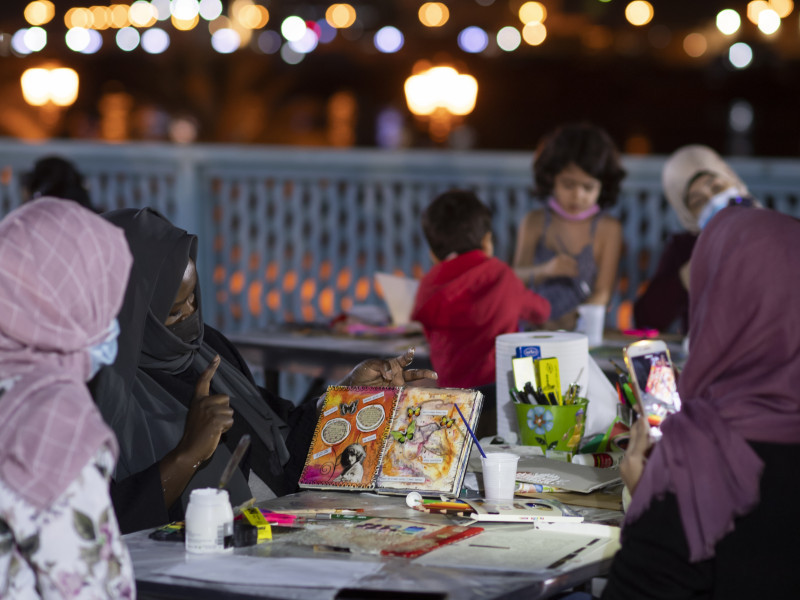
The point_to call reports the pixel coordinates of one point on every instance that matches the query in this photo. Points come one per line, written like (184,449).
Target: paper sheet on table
(518,548)
(282,572)
(399,294)
(556,473)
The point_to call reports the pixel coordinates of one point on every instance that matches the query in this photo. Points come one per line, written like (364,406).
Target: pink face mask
(581,216)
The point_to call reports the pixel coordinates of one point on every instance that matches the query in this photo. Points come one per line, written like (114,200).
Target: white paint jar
(209,522)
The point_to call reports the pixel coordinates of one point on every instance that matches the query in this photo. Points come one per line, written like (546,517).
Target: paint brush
(469,429)
(234,460)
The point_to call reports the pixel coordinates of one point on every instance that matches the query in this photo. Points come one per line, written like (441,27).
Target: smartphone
(653,381)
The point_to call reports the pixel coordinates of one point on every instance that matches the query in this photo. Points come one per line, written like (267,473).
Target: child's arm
(530,230)
(608,247)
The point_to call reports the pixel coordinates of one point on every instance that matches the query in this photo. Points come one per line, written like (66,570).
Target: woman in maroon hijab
(714,503)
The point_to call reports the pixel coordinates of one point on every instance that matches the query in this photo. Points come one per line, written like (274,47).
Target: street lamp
(41,86)
(442,95)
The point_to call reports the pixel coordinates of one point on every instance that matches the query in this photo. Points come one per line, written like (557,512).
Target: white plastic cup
(499,475)
(209,522)
(591,320)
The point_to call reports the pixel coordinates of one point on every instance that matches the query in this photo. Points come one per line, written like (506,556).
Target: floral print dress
(71,549)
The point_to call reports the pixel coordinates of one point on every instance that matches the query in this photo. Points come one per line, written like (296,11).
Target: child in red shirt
(469,297)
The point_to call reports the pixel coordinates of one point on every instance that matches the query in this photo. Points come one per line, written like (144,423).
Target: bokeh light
(142,14)
(305,44)
(783,7)
(185,10)
(185,24)
(728,21)
(293,28)
(327,33)
(740,55)
(433,14)
(473,40)
(77,39)
(441,87)
(40,86)
(128,38)
(18,42)
(508,39)
(639,13)
(740,117)
(36,86)
(155,40)
(35,39)
(95,42)
(768,21)
(210,9)
(290,56)
(78,17)
(340,16)
(253,16)
(754,9)
(162,9)
(269,42)
(119,16)
(534,33)
(39,12)
(100,17)
(226,41)
(532,12)
(388,39)
(695,45)
(221,22)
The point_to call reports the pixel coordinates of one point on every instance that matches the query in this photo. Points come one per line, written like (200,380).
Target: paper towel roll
(571,349)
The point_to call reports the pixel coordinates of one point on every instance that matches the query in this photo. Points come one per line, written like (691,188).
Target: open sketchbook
(392,440)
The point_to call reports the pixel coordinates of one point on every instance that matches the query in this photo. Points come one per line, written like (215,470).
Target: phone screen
(655,378)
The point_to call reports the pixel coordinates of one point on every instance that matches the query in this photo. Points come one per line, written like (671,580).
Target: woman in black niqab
(179,397)
(164,423)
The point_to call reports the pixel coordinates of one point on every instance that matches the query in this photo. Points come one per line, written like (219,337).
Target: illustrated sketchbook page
(348,442)
(428,445)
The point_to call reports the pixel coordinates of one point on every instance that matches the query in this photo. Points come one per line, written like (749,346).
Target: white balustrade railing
(293,234)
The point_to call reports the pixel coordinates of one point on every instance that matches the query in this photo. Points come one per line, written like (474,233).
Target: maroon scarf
(742,379)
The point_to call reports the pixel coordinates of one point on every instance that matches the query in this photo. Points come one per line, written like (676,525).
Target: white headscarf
(682,167)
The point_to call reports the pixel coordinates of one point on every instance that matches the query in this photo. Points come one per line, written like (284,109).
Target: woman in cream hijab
(697,183)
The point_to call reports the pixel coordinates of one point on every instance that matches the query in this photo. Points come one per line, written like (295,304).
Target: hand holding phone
(653,381)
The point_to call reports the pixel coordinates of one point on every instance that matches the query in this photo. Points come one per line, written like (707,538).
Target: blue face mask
(729,197)
(105,352)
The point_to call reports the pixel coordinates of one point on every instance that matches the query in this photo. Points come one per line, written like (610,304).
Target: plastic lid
(209,496)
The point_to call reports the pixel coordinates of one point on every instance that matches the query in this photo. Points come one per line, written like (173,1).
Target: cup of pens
(552,426)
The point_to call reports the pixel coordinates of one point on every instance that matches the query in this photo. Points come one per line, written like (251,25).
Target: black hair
(456,221)
(57,177)
(588,147)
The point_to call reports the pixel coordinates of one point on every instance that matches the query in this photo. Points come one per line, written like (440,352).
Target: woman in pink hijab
(63,272)
(714,506)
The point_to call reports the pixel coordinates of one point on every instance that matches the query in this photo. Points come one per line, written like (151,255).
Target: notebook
(392,440)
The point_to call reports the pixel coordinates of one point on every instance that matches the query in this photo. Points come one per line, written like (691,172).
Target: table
(426,577)
(319,353)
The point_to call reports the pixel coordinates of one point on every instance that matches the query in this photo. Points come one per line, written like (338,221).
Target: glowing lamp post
(41,86)
(442,95)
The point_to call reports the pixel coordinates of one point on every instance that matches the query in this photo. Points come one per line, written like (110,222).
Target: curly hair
(588,147)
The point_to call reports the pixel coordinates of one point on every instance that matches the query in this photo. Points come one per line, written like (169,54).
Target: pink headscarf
(63,272)
(742,378)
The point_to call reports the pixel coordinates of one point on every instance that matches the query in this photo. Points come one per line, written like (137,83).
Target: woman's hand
(561,265)
(391,372)
(632,465)
(209,416)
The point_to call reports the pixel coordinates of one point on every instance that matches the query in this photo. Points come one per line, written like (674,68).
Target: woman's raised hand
(209,416)
(561,265)
(387,372)
(635,458)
